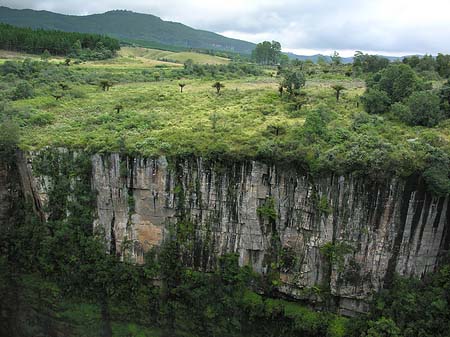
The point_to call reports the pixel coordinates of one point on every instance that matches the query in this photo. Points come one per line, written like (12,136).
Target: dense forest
(57,42)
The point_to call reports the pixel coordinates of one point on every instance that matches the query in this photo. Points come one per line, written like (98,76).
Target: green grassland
(248,119)
(157,117)
(178,57)
(6,55)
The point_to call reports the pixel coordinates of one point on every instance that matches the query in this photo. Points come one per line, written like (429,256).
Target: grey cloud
(383,25)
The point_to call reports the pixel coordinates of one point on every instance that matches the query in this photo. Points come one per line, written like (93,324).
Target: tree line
(55,42)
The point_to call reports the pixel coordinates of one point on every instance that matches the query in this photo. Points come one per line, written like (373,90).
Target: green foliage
(444,96)
(398,81)
(376,101)
(51,42)
(336,59)
(267,210)
(9,137)
(218,86)
(443,65)
(365,63)
(437,174)
(293,81)
(429,65)
(411,307)
(323,206)
(142,29)
(23,90)
(335,253)
(383,327)
(423,109)
(267,53)
(338,88)
(314,129)
(45,55)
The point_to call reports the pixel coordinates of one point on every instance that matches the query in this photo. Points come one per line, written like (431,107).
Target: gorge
(345,233)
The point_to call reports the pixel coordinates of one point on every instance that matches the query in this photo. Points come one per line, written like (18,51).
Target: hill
(126,25)
(327,58)
(169,56)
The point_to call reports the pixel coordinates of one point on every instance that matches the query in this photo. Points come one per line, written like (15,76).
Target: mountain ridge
(130,26)
(125,24)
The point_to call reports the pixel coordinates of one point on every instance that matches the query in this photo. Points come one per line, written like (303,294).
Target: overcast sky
(390,27)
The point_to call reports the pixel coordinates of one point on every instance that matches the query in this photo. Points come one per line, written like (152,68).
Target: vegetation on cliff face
(80,288)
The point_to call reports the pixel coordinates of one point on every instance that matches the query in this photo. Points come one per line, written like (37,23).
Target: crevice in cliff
(445,241)
(409,188)
(112,246)
(28,186)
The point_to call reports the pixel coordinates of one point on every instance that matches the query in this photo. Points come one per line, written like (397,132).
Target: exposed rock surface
(373,228)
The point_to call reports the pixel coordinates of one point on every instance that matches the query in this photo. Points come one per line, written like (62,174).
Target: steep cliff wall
(346,234)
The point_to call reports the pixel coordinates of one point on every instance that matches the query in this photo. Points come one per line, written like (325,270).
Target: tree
(76,48)
(383,327)
(218,86)
(181,85)
(53,42)
(23,90)
(9,138)
(443,65)
(444,96)
(365,63)
(106,84)
(267,53)
(293,81)
(299,100)
(336,59)
(64,86)
(375,101)
(338,88)
(280,90)
(45,55)
(423,109)
(58,95)
(188,65)
(398,81)
(118,107)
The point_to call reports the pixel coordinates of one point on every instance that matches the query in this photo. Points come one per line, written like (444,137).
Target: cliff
(344,235)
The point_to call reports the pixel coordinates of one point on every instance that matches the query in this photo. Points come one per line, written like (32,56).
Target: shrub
(401,111)
(375,101)
(41,118)
(398,81)
(423,109)
(9,137)
(383,327)
(77,93)
(23,90)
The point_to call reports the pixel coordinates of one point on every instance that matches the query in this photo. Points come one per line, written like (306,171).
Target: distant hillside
(327,58)
(126,25)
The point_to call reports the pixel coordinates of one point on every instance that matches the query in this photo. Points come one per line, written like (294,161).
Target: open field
(180,57)
(248,119)
(156,117)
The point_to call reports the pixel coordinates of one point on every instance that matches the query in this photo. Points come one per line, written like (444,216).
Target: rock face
(344,233)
